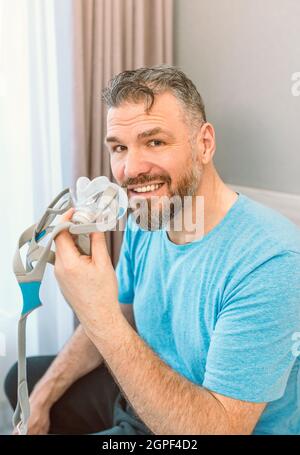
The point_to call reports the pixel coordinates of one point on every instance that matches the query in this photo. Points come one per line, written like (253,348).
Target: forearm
(164,400)
(78,357)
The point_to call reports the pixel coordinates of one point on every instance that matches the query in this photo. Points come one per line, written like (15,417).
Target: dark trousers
(92,405)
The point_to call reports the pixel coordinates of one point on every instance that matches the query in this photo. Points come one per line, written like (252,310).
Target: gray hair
(144,83)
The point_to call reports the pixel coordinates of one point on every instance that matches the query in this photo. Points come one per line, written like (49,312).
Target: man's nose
(135,164)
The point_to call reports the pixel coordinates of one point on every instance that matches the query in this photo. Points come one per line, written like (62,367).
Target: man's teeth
(144,189)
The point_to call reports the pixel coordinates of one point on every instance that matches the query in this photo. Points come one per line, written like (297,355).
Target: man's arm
(78,357)
(165,401)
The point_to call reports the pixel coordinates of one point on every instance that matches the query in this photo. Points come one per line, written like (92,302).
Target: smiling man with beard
(195,328)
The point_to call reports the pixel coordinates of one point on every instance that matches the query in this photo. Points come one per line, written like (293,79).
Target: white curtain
(31,172)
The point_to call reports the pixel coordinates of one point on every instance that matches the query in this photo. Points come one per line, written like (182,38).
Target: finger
(65,247)
(64,243)
(99,250)
(67,216)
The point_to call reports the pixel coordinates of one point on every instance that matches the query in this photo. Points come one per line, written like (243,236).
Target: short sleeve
(124,270)
(250,355)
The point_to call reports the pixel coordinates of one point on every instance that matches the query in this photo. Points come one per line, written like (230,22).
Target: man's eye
(119,148)
(155,143)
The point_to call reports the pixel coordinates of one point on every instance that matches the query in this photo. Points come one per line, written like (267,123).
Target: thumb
(99,250)
(67,216)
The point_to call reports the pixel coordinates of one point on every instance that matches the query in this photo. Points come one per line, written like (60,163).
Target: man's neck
(217,199)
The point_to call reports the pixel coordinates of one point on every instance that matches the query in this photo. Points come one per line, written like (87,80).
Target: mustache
(146,179)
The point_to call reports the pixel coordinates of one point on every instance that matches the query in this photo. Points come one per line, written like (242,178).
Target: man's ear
(206,141)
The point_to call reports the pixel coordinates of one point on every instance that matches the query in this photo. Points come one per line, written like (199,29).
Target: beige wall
(241,54)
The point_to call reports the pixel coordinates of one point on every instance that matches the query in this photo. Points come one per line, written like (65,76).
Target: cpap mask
(99,204)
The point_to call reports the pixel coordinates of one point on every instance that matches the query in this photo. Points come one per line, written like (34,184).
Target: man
(195,329)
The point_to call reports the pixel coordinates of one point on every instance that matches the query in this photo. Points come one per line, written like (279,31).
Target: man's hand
(39,420)
(88,283)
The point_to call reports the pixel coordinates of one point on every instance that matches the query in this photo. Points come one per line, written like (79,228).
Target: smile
(146,189)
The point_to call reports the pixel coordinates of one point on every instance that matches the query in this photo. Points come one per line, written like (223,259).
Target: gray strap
(42,255)
(22,412)
(58,206)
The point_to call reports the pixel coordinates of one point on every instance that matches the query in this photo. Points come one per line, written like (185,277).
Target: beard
(157,212)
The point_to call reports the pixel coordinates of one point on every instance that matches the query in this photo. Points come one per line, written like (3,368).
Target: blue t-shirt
(224,310)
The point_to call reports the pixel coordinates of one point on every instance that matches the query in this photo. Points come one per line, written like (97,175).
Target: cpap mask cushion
(99,204)
(99,201)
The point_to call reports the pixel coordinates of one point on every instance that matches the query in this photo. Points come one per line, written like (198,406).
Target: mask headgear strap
(30,277)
